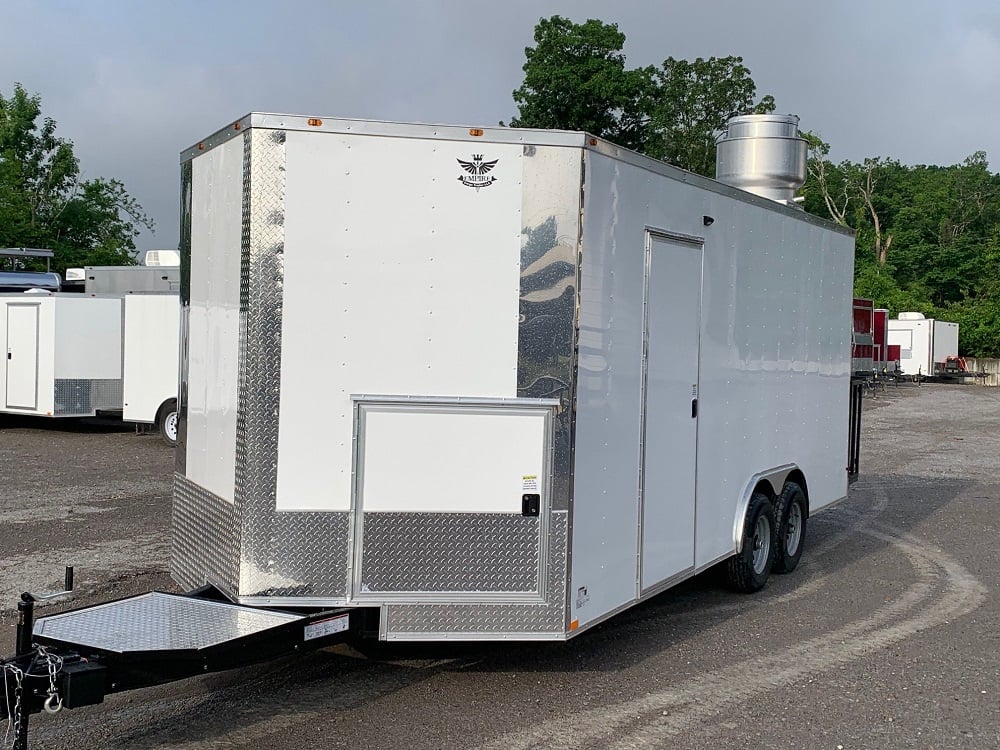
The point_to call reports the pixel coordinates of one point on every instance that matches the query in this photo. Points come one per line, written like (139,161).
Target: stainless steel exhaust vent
(762,154)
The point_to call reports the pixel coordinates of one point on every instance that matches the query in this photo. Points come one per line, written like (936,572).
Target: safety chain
(13,716)
(53,703)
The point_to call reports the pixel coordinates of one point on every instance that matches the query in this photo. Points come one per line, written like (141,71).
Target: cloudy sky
(133,82)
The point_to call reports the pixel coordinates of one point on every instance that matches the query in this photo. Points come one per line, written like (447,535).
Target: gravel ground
(887,636)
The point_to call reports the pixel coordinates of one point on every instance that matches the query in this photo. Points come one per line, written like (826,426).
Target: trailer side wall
(771,382)
(214,319)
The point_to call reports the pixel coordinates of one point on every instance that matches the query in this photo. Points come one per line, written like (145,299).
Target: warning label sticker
(529,483)
(328,626)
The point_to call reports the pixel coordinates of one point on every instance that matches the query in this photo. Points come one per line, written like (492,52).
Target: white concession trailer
(494,383)
(925,344)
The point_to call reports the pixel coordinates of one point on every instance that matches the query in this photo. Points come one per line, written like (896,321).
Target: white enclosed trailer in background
(63,354)
(552,377)
(925,344)
(151,340)
(69,355)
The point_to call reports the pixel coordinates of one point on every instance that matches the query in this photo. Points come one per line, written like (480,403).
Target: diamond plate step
(158,622)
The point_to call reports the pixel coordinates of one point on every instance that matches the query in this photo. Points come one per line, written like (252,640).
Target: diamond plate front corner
(261,300)
(204,547)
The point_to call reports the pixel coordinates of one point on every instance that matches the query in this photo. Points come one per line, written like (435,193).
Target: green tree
(692,103)
(928,237)
(575,79)
(43,201)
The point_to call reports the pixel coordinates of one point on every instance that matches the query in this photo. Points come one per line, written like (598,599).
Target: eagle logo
(477,169)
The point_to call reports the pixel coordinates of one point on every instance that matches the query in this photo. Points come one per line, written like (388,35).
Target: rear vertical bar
(25,630)
(854,432)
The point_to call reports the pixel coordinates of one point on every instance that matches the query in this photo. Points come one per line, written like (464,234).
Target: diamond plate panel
(75,396)
(428,552)
(261,282)
(430,621)
(204,545)
(158,622)
(311,557)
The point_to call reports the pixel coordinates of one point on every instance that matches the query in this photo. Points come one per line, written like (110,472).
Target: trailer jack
(75,658)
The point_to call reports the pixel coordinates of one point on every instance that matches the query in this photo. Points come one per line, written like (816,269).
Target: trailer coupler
(73,659)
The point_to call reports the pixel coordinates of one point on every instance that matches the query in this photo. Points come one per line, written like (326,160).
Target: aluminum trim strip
(462,400)
(344,126)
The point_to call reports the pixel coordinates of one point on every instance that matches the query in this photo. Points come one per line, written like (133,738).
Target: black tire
(749,569)
(792,513)
(166,422)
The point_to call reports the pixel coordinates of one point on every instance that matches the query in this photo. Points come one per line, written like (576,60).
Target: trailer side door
(672,319)
(22,356)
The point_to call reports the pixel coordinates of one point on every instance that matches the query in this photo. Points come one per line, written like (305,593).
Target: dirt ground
(887,636)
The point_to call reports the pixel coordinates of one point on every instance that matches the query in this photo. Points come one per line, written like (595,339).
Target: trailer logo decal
(477,169)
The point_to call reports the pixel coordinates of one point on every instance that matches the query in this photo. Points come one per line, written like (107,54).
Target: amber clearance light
(314,121)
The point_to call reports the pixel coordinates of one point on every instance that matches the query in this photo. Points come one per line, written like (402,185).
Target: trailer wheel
(749,569)
(791,537)
(166,421)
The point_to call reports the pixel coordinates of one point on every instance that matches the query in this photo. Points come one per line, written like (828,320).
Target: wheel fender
(775,478)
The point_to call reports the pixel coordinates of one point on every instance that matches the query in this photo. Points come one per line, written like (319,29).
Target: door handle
(694,408)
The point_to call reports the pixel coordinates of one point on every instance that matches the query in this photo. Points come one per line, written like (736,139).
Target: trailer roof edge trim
(495,134)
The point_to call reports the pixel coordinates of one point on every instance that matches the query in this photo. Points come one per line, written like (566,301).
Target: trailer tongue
(75,658)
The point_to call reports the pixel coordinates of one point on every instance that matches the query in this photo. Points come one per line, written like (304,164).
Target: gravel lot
(887,636)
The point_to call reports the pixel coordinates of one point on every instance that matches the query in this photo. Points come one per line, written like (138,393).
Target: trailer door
(22,356)
(672,313)
(452,497)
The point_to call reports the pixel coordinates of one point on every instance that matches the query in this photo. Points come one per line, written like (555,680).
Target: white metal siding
(88,338)
(213,345)
(398,279)
(152,324)
(775,338)
(914,338)
(436,460)
(945,341)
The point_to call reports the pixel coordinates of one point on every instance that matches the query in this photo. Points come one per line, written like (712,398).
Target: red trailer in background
(880,341)
(862,340)
(893,355)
